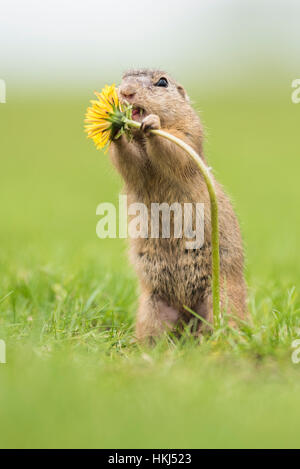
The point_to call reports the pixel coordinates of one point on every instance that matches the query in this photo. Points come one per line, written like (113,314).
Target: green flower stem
(214,212)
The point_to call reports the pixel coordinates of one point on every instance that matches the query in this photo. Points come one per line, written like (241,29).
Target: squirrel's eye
(162,82)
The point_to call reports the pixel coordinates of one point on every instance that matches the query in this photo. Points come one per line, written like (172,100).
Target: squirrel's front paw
(150,122)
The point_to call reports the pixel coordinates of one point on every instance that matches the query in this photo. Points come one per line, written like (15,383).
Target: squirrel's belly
(177,275)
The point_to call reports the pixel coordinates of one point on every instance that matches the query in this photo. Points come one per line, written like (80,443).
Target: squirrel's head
(153,92)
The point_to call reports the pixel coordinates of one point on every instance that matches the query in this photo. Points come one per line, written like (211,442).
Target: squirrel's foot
(151,122)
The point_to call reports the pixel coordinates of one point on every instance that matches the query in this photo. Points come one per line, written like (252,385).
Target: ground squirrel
(156,170)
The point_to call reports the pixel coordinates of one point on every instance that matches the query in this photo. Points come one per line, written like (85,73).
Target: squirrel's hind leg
(232,303)
(154,318)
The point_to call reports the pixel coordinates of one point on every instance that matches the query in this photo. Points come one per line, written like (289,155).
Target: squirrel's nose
(127,92)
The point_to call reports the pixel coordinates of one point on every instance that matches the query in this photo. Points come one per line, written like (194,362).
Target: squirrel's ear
(181,91)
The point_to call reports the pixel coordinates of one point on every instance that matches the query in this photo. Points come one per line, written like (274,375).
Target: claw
(150,122)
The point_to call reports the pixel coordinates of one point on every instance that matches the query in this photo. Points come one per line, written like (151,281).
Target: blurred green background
(52,178)
(74,376)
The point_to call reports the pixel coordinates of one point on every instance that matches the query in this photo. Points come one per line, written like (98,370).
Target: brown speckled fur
(156,170)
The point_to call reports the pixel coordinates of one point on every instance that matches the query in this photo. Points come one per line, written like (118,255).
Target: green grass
(74,375)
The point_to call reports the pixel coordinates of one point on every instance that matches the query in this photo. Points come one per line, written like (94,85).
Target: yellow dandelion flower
(105,117)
